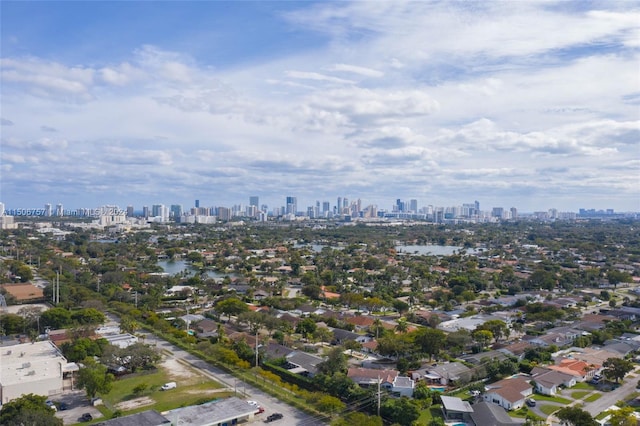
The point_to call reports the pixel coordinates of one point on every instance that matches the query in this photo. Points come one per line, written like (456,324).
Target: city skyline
(285,207)
(533,105)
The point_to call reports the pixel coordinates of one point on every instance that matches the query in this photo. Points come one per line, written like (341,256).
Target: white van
(170,385)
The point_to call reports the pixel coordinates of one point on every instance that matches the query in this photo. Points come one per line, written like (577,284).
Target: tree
(623,417)
(430,340)
(56,318)
(306,327)
(28,410)
(231,306)
(402,326)
(403,411)
(482,337)
(498,328)
(575,416)
(138,356)
(616,368)
(94,378)
(128,325)
(330,404)
(336,362)
(359,419)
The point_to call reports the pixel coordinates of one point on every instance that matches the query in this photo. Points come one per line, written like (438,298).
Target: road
(292,416)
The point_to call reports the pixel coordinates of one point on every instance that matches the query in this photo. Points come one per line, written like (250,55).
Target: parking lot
(77,405)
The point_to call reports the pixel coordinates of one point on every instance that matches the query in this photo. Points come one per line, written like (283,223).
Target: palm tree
(402,325)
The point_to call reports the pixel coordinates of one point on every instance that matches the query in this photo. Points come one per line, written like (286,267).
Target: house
(455,408)
(369,377)
(340,336)
(445,374)
(485,414)
(388,379)
(481,357)
(517,349)
(24,292)
(509,393)
(547,381)
(275,350)
(303,363)
(581,370)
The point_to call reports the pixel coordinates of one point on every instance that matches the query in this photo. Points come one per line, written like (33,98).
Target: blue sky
(526,104)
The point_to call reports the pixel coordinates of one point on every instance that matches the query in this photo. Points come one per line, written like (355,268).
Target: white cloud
(367,72)
(442,101)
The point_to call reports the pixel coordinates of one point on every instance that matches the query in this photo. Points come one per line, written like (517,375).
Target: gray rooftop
(214,412)
(145,418)
(485,413)
(451,403)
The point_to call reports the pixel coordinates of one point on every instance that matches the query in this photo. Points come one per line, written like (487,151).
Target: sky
(534,105)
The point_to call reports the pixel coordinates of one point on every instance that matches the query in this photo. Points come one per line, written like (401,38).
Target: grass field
(558,399)
(548,409)
(192,388)
(579,394)
(593,397)
(584,385)
(430,413)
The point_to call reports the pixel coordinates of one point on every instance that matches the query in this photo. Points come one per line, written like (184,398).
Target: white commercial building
(31,368)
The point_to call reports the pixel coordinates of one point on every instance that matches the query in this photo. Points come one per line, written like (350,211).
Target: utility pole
(378,396)
(257,331)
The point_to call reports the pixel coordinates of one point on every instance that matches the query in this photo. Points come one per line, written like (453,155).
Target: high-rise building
(339,206)
(224,213)
(497,212)
(145,212)
(514,213)
(1,209)
(176,211)
(413,206)
(59,210)
(197,204)
(292,205)
(130,211)
(48,210)
(326,206)
(254,201)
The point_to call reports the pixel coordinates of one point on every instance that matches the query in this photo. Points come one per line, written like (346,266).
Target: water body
(173,267)
(316,247)
(433,250)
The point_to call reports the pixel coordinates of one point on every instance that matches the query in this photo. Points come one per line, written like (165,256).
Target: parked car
(260,410)
(170,385)
(86,417)
(62,406)
(531,402)
(274,417)
(51,405)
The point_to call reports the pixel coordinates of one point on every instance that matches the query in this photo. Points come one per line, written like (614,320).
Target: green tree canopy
(616,368)
(231,306)
(575,416)
(28,410)
(94,379)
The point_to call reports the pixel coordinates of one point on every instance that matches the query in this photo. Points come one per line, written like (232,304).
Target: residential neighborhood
(334,320)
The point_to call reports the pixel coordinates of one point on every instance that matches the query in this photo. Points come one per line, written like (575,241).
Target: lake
(173,267)
(432,249)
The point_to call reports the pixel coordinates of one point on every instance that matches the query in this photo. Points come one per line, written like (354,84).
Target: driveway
(77,405)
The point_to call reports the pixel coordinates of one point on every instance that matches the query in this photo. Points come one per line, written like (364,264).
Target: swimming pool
(439,389)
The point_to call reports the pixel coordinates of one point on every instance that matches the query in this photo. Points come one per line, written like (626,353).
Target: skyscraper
(292,205)
(413,206)
(59,210)
(130,212)
(48,210)
(197,204)
(254,201)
